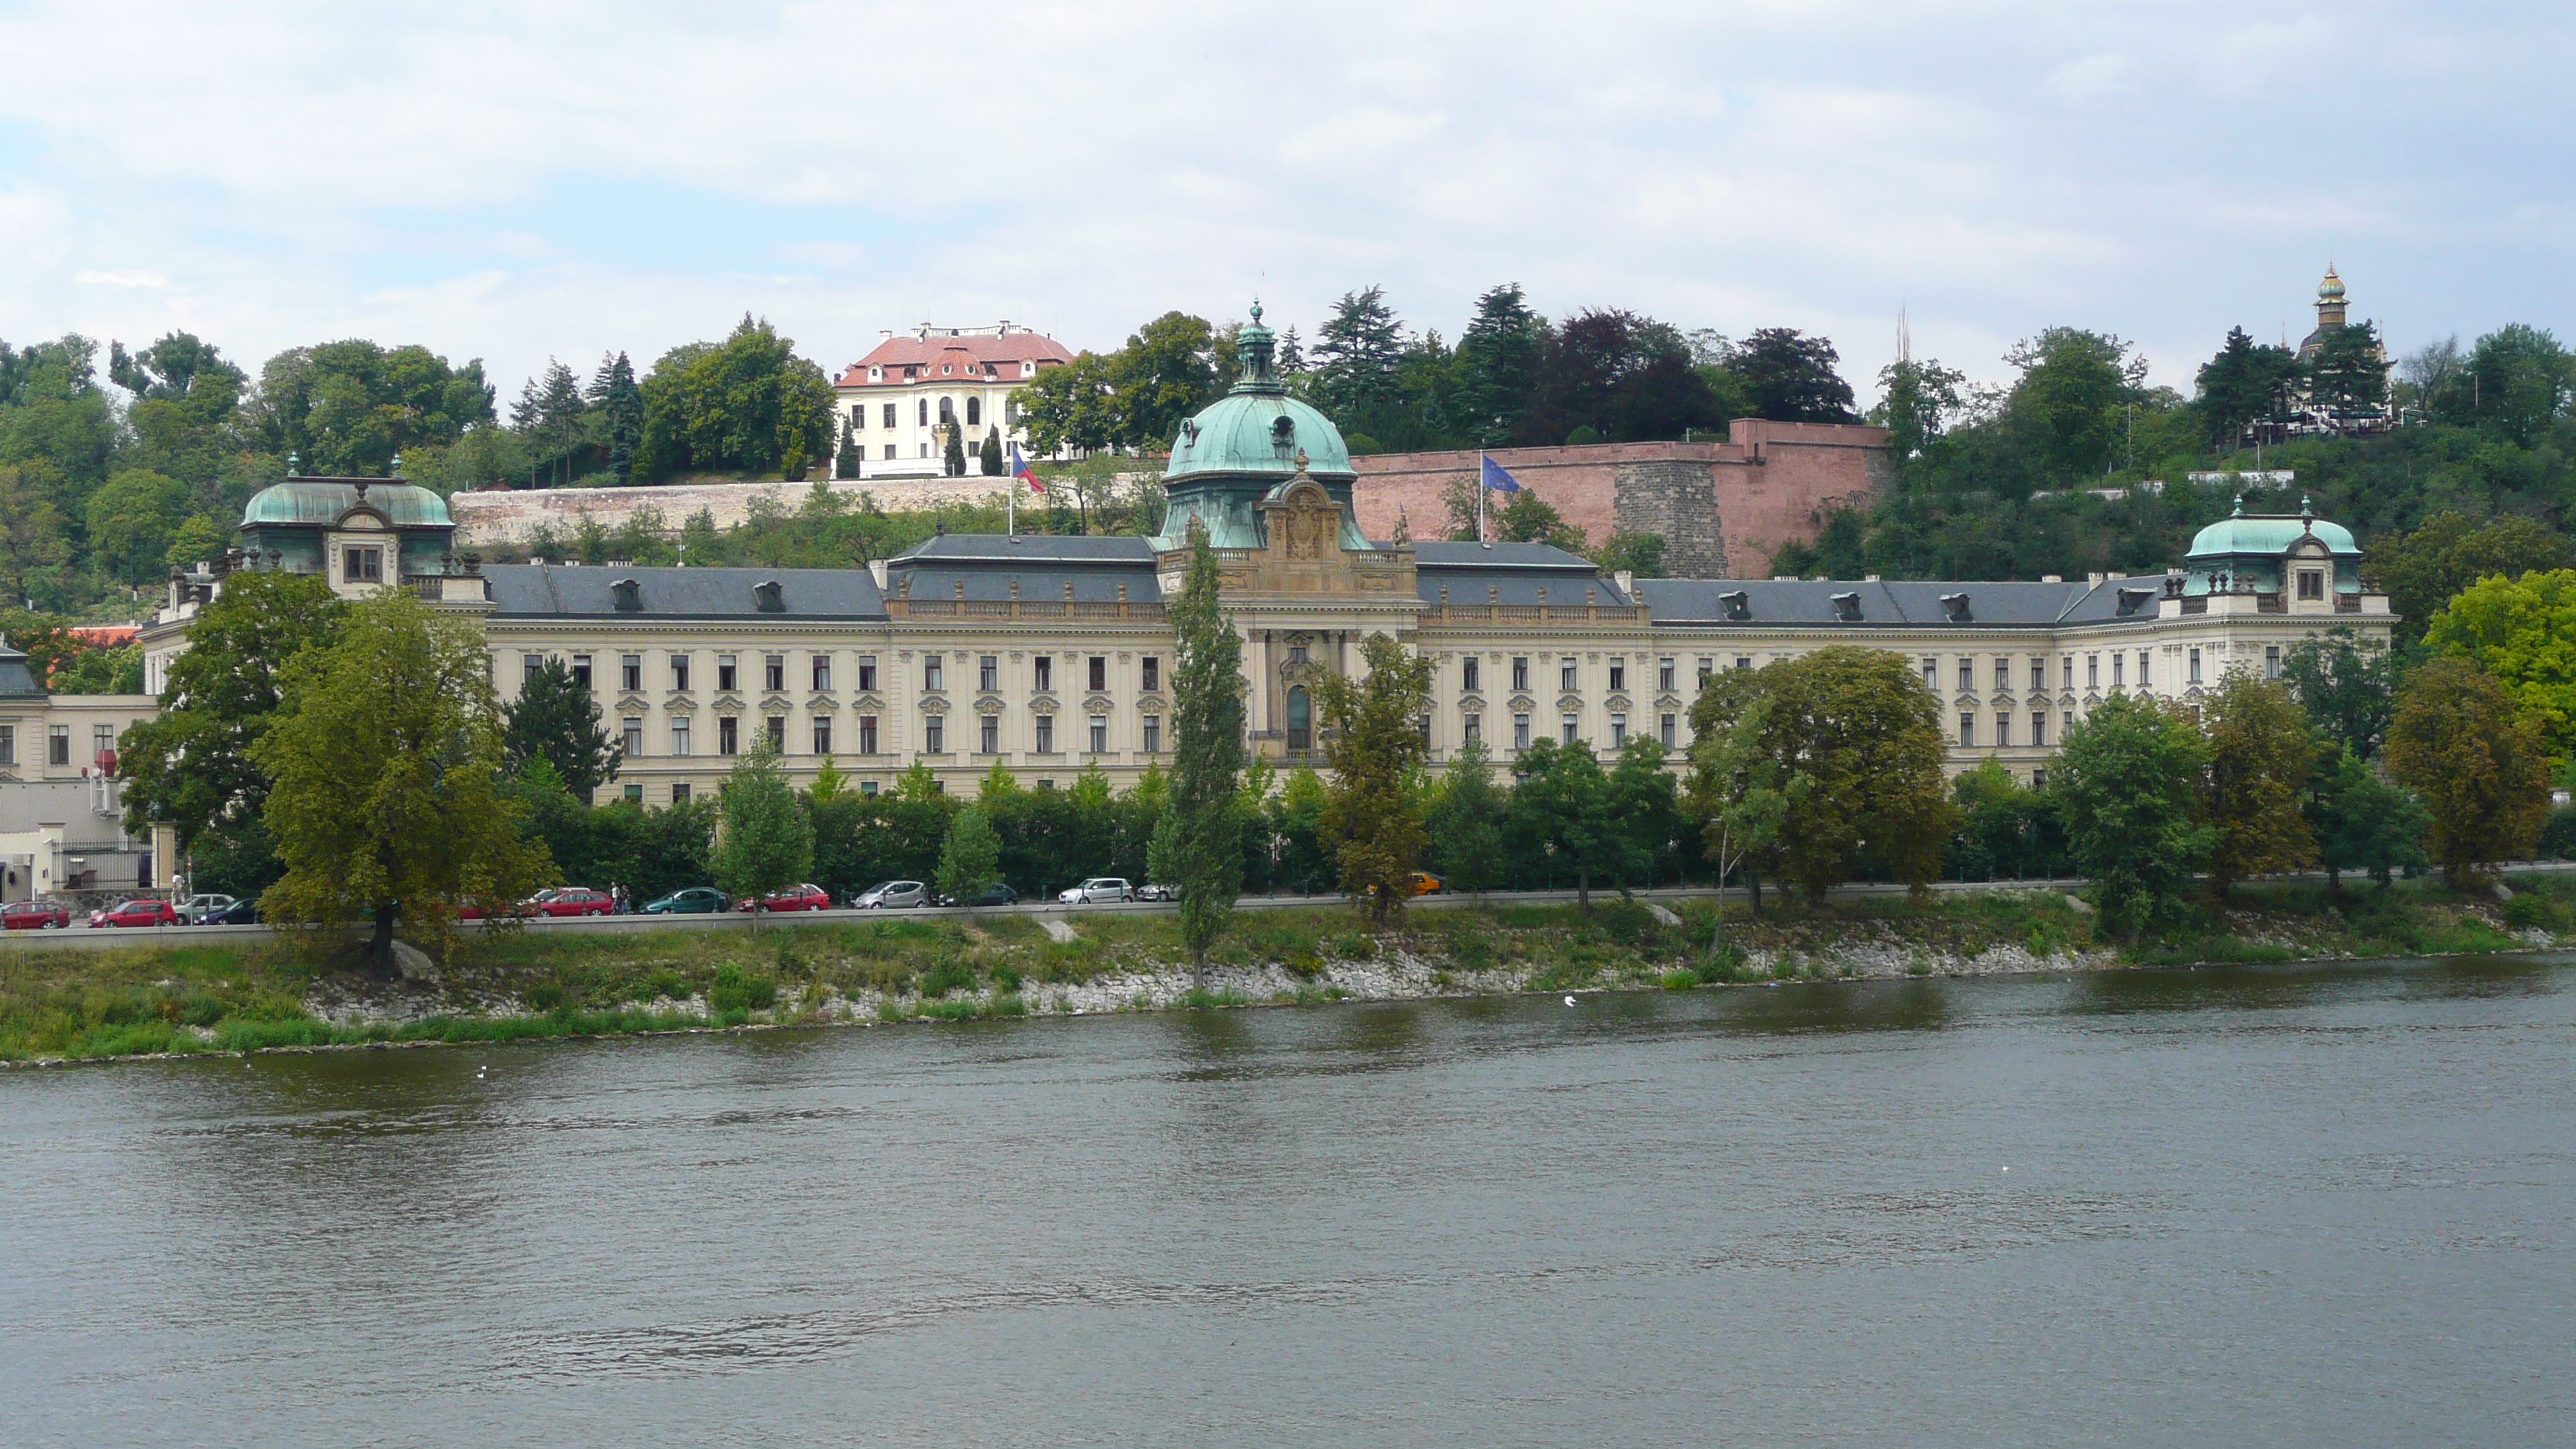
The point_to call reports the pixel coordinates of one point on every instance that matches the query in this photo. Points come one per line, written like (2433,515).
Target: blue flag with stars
(1498,480)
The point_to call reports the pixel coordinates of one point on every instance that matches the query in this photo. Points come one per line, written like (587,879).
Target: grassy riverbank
(145,999)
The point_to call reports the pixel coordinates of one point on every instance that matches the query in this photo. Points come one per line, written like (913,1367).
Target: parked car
(1151,892)
(807,897)
(573,901)
(141,911)
(999,893)
(1096,890)
(1425,883)
(195,909)
(892,895)
(694,901)
(37,916)
(239,913)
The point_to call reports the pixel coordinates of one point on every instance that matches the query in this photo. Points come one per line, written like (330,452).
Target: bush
(2558,836)
(543,996)
(946,977)
(734,994)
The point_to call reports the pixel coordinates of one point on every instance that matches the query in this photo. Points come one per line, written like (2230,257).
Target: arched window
(947,411)
(974,412)
(1301,720)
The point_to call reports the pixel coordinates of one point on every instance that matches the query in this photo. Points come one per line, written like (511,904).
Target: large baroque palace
(1052,655)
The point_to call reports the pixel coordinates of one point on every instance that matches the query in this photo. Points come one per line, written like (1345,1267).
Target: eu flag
(1498,480)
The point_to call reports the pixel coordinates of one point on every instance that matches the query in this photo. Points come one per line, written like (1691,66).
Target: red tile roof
(962,353)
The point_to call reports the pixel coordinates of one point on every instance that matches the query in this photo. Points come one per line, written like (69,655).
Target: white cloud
(558,179)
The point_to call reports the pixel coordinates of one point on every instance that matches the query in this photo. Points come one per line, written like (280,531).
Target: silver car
(892,895)
(1151,892)
(1096,890)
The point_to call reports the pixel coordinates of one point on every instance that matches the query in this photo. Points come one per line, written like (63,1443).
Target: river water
(2324,1205)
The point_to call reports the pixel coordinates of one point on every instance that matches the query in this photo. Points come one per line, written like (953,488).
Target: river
(2287,1205)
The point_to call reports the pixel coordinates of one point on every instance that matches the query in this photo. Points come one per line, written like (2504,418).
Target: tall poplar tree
(1198,844)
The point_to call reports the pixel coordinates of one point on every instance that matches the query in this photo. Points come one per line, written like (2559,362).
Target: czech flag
(1498,480)
(1020,469)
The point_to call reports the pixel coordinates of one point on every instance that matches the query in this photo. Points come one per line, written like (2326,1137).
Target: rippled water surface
(2279,1206)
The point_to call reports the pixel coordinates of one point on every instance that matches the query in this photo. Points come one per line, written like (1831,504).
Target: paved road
(736,921)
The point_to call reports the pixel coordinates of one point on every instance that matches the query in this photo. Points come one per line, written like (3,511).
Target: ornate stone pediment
(1616,702)
(774,703)
(729,701)
(633,704)
(934,705)
(1153,704)
(681,704)
(1472,704)
(822,703)
(1522,704)
(1569,704)
(1668,701)
(989,704)
(869,704)
(1043,704)
(1098,704)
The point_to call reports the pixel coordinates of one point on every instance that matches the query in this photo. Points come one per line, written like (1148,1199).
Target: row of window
(773,672)
(58,743)
(889,418)
(1667,728)
(934,735)
(1471,674)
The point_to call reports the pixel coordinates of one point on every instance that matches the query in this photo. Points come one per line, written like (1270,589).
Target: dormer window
(1738,604)
(769,597)
(2132,600)
(362,565)
(1847,608)
(1954,607)
(627,596)
(876,374)
(2312,584)
(1283,435)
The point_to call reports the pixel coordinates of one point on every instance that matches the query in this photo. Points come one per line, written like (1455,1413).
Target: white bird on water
(1569,1001)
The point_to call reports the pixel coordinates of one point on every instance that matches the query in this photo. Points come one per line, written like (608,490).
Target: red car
(573,901)
(794,898)
(37,916)
(137,913)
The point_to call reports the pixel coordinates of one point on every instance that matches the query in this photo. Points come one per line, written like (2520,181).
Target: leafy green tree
(1917,401)
(46,639)
(2349,372)
(133,518)
(196,541)
(2522,633)
(193,766)
(2447,552)
(1560,812)
(1198,847)
(2073,387)
(1740,791)
(1372,742)
(970,862)
(2002,823)
(1166,372)
(103,671)
(1646,808)
(1863,730)
(1359,353)
(2484,776)
(2363,822)
(386,756)
(2127,786)
(2243,384)
(2347,686)
(1623,376)
(1070,405)
(1465,823)
(1789,377)
(552,415)
(2516,383)
(556,719)
(1639,553)
(1498,360)
(764,843)
(618,403)
(2260,756)
(348,407)
(35,537)
(748,404)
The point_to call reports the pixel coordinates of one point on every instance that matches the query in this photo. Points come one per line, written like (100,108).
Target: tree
(550,414)
(2522,633)
(1635,552)
(1372,742)
(1623,376)
(1466,823)
(764,842)
(845,458)
(2347,687)
(2481,773)
(2349,372)
(132,518)
(556,719)
(2447,552)
(1198,845)
(1498,358)
(619,404)
(103,671)
(1358,353)
(1647,810)
(989,457)
(2260,755)
(349,407)
(1559,812)
(1917,400)
(1863,731)
(952,453)
(748,404)
(2516,382)
(2363,822)
(35,537)
(386,756)
(1790,378)
(194,766)
(2073,386)
(1165,373)
(2127,787)
(1739,790)
(2242,385)
(1069,405)
(970,860)
(197,540)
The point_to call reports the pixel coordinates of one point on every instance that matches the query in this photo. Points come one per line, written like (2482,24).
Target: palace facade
(1052,655)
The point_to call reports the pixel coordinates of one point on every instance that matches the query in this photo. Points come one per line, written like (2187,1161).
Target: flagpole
(1480,495)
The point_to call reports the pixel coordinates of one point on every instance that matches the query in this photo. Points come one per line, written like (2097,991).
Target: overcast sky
(516,180)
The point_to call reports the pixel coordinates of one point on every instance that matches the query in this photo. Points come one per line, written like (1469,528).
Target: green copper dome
(320,502)
(1248,445)
(2269,535)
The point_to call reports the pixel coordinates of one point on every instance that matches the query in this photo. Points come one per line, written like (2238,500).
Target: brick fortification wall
(1723,508)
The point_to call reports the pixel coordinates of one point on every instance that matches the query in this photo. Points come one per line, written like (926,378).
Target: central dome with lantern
(1248,446)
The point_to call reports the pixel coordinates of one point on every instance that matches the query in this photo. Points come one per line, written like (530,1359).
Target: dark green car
(695,901)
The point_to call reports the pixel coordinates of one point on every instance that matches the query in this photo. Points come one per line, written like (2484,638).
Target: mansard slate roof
(988,564)
(17,681)
(1810,604)
(547,590)
(1024,547)
(1509,573)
